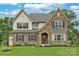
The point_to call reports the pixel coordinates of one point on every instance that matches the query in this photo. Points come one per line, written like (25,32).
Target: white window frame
(19,37)
(57,38)
(32,37)
(22,26)
(58,24)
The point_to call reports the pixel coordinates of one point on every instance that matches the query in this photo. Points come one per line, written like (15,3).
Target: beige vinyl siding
(22,18)
(41,25)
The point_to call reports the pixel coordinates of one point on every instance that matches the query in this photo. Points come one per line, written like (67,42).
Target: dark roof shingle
(39,17)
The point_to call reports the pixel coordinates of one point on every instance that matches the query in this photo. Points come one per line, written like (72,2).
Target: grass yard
(41,51)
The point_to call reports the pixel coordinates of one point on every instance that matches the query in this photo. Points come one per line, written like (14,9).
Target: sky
(12,9)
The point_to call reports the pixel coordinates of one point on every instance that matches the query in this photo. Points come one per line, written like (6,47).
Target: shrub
(33,44)
(58,45)
(18,45)
(29,44)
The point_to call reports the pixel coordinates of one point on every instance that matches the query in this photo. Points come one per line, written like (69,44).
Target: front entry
(44,38)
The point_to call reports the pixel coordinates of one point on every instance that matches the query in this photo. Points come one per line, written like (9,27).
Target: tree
(70,14)
(5,26)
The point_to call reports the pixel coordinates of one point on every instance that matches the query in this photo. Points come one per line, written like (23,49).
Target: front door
(44,38)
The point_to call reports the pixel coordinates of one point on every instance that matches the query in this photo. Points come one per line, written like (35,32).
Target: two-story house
(40,29)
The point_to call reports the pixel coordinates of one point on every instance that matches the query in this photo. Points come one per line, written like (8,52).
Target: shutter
(53,24)
(63,24)
(27,25)
(22,37)
(35,37)
(16,37)
(17,25)
(29,37)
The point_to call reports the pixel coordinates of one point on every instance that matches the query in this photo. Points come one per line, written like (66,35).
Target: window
(58,24)
(25,25)
(22,25)
(35,25)
(58,37)
(19,25)
(19,37)
(32,37)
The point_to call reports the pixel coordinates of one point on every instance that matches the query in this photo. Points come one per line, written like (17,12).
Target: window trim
(57,38)
(58,24)
(19,37)
(30,38)
(22,26)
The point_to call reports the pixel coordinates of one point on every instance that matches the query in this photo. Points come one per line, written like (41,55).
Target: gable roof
(20,13)
(61,12)
(41,17)
(35,17)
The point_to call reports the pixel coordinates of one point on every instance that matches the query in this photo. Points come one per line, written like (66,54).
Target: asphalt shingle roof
(39,17)
(36,17)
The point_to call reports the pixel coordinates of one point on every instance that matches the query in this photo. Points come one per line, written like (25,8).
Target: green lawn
(41,51)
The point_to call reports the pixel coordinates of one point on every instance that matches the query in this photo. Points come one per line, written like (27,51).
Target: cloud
(76,11)
(43,7)
(15,12)
(8,3)
(9,13)
(74,7)
(40,8)
(13,3)
(31,8)
(37,6)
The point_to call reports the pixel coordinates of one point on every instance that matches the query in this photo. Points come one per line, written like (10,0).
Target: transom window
(22,25)
(35,25)
(32,37)
(58,37)
(19,37)
(58,24)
